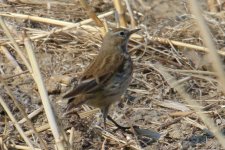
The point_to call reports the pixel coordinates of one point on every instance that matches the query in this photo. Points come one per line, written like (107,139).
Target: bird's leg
(117,125)
(105,113)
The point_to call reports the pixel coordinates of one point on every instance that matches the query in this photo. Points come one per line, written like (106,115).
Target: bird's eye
(122,33)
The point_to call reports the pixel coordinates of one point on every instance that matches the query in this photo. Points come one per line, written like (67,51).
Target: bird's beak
(133,31)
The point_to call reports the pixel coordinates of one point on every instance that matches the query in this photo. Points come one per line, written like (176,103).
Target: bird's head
(118,37)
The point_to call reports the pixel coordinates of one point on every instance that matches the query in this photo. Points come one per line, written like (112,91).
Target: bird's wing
(97,74)
(83,87)
(104,64)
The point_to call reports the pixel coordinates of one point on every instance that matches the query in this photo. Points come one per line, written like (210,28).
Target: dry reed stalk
(31,115)
(21,109)
(139,91)
(13,41)
(71,138)
(216,63)
(182,80)
(16,124)
(103,144)
(177,43)
(6,77)
(48,20)
(11,59)
(91,13)
(148,46)
(201,77)
(39,129)
(21,147)
(165,125)
(37,2)
(106,27)
(179,88)
(37,19)
(180,113)
(172,105)
(2,145)
(173,42)
(194,123)
(32,2)
(190,71)
(133,22)
(44,96)
(195,73)
(210,100)
(121,12)
(74,25)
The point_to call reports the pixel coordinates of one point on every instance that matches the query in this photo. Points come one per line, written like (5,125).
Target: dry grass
(176,91)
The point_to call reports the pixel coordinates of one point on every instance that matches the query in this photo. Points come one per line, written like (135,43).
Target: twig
(71,138)
(52,21)
(39,129)
(6,77)
(31,115)
(133,22)
(21,147)
(190,71)
(150,47)
(37,2)
(180,81)
(211,79)
(66,28)
(177,43)
(217,65)
(37,19)
(43,93)
(216,62)
(18,105)
(209,122)
(173,121)
(2,144)
(91,13)
(103,144)
(16,124)
(180,113)
(17,49)
(194,123)
(11,59)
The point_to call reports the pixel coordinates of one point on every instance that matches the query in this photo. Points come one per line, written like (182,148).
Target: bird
(106,79)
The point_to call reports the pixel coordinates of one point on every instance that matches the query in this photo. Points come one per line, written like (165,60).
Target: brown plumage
(107,78)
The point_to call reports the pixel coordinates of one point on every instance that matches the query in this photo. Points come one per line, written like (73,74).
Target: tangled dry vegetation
(175,84)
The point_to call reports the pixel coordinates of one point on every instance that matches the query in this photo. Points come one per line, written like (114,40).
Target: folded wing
(95,76)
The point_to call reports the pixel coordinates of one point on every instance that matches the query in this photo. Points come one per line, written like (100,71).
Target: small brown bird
(106,79)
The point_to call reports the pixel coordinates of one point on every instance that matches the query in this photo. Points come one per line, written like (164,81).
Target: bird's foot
(119,127)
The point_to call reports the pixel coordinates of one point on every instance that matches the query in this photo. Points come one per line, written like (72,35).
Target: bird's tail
(76,102)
